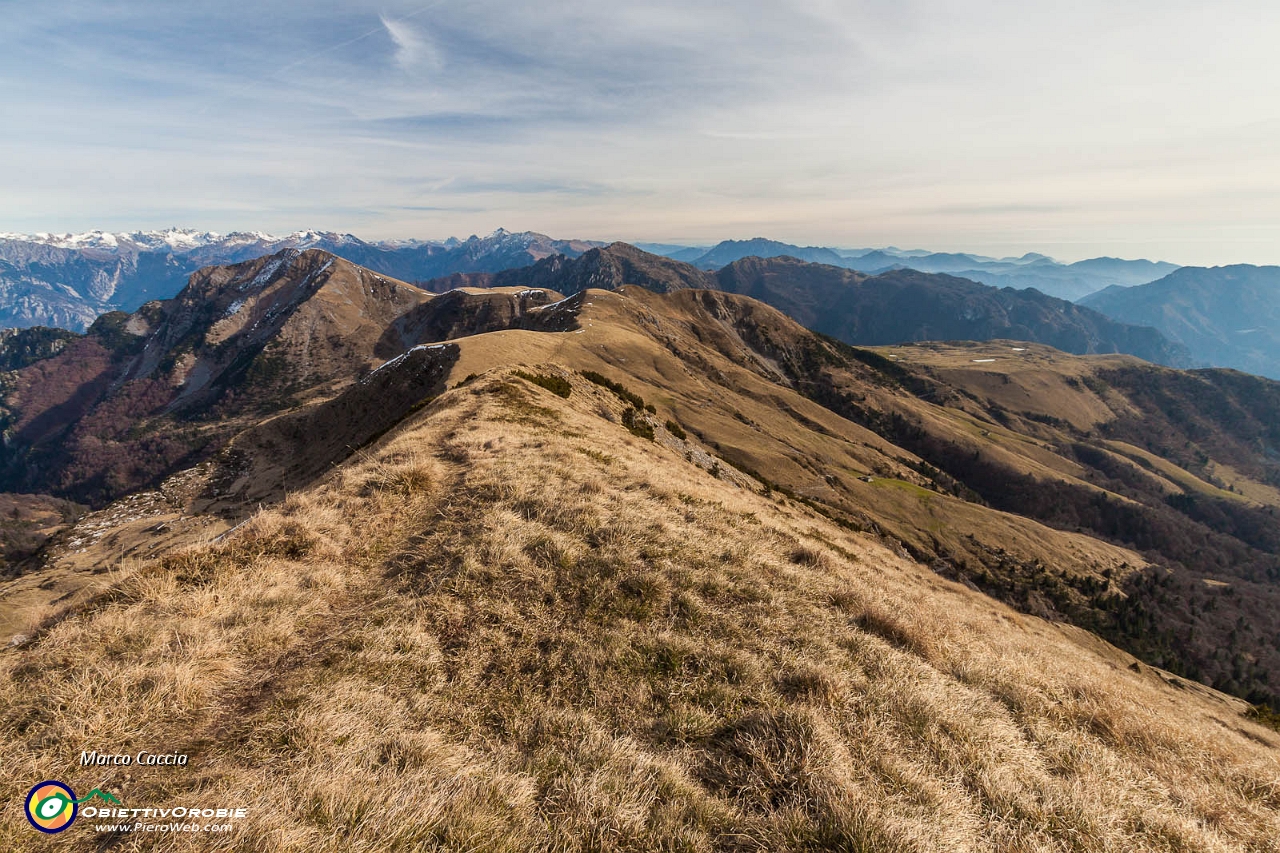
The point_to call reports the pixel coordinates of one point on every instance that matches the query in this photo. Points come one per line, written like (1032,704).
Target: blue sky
(1142,129)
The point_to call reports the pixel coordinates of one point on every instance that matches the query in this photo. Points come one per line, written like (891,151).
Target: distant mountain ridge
(1226,316)
(1065,281)
(734,250)
(67,280)
(143,392)
(904,305)
(897,306)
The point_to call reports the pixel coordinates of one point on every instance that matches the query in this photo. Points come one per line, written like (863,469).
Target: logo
(52,806)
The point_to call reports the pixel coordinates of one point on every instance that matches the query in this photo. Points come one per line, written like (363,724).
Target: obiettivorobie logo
(52,806)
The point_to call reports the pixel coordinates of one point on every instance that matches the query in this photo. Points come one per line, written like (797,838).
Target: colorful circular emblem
(51,806)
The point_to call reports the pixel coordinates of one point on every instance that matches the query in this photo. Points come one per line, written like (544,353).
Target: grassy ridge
(501,632)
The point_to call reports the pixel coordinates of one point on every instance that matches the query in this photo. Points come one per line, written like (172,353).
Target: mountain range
(1066,281)
(618,556)
(67,280)
(91,417)
(892,307)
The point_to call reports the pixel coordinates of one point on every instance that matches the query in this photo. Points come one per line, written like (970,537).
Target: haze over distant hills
(735,250)
(1065,281)
(1226,316)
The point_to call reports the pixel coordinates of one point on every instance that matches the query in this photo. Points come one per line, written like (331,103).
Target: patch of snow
(227,533)
(317,273)
(411,244)
(553,306)
(267,272)
(393,362)
(983,360)
(174,239)
(233,308)
(389,363)
(184,240)
(242,238)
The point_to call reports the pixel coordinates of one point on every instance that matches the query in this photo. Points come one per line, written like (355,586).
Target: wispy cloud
(413,48)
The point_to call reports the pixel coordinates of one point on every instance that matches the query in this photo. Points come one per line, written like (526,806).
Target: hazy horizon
(992,128)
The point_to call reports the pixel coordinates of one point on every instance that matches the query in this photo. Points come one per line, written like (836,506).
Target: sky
(1133,129)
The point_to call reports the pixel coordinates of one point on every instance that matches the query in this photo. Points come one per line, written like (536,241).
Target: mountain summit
(735,250)
(140,393)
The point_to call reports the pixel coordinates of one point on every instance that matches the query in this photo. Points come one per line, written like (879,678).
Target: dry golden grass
(512,625)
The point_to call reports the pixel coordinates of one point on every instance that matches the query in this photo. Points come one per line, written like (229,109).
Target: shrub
(633,419)
(805,556)
(617,388)
(555,384)
(1264,715)
(674,429)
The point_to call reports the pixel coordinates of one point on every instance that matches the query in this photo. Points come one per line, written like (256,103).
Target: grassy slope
(721,366)
(692,363)
(512,625)
(1176,465)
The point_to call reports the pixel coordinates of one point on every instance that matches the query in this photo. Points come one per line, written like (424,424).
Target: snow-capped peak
(186,240)
(173,239)
(176,239)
